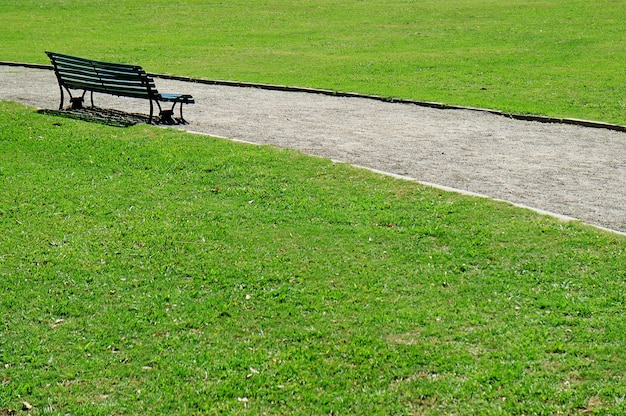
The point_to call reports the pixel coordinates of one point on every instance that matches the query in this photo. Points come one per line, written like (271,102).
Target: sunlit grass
(149,271)
(560,58)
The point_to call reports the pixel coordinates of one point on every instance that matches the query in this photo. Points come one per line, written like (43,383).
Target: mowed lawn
(150,271)
(556,57)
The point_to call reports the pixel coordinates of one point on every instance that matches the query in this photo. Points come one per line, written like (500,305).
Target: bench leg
(182,120)
(77,102)
(166,117)
(62,97)
(151,110)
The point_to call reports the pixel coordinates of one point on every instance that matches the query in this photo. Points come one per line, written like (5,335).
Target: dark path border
(442,106)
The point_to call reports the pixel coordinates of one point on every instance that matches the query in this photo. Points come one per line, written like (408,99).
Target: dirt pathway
(573,171)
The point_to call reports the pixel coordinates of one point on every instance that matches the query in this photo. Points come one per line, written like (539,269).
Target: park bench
(121,80)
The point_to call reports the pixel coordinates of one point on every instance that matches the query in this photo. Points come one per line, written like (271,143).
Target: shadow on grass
(105,116)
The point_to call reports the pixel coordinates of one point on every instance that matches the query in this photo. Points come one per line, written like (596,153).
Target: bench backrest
(106,77)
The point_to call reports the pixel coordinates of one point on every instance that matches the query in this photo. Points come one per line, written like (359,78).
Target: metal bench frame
(74,73)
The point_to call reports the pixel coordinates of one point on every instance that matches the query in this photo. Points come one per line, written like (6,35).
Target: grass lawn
(558,57)
(149,271)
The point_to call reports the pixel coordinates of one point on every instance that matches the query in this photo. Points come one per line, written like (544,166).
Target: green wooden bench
(74,73)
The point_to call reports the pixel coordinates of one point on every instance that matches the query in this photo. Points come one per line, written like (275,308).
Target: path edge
(560,217)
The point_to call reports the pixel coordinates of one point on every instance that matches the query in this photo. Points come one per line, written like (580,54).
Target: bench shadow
(104,116)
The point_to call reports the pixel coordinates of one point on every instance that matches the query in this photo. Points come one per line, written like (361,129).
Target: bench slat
(129,89)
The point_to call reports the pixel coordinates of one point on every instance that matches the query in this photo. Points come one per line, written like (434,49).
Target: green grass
(150,271)
(558,57)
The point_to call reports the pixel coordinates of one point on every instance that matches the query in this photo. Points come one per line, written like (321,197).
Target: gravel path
(572,171)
